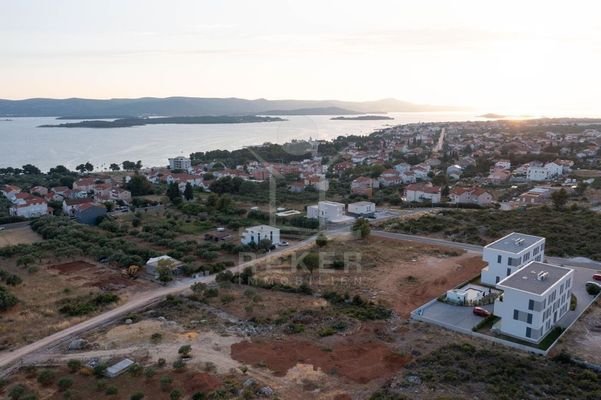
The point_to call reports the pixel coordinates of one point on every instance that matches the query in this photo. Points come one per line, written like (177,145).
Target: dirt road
(8,359)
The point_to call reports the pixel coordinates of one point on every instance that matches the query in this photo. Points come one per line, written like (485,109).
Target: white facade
(30,209)
(534,299)
(255,234)
(537,173)
(362,208)
(180,162)
(510,253)
(329,211)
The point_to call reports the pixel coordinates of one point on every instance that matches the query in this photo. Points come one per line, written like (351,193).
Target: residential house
(10,191)
(503,164)
(84,184)
(255,234)
(72,206)
(510,253)
(40,190)
(418,192)
(402,167)
(363,185)
(29,207)
(328,211)
(153,264)
(390,177)
(362,208)
(454,171)
(498,176)
(319,182)
(89,213)
(470,195)
(535,298)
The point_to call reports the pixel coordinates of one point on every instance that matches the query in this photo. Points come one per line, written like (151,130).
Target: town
(347,269)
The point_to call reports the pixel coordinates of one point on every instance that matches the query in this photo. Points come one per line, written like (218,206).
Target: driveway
(459,317)
(581,276)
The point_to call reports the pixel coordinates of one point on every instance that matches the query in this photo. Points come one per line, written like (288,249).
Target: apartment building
(180,163)
(508,254)
(255,234)
(534,299)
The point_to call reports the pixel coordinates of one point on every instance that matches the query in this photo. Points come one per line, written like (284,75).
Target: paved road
(135,303)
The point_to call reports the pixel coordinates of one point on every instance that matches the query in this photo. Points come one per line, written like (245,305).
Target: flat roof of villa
(514,242)
(527,277)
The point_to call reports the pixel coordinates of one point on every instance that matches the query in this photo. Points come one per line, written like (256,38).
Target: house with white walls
(180,163)
(255,234)
(534,299)
(361,208)
(423,192)
(328,211)
(510,253)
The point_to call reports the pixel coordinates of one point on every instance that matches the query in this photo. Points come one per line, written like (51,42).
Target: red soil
(359,362)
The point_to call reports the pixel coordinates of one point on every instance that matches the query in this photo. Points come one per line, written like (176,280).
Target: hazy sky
(522,56)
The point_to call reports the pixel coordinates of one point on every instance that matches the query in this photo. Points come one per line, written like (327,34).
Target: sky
(497,56)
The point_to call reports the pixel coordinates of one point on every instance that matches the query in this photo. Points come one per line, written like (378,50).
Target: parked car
(481,312)
(2,228)
(597,277)
(284,243)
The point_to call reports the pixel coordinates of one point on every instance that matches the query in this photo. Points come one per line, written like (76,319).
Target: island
(130,122)
(363,118)
(493,116)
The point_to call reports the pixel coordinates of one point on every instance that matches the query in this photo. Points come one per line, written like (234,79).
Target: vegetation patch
(84,305)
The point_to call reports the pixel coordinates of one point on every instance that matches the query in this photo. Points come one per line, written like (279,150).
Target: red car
(597,277)
(481,312)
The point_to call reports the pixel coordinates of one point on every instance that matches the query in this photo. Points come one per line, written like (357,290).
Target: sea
(23,142)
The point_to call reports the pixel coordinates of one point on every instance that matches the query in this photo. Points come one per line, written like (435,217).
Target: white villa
(508,254)
(255,234)
(534,299)
(362,208)
(329,211)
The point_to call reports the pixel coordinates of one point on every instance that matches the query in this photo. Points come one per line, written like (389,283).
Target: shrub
(179,365)
(46,377)
(111,391)
(7,299)
(593,289)
(165,383)
(175,394)
(185,350)
(64,383)
(137,396)
(74,365)
(161,362)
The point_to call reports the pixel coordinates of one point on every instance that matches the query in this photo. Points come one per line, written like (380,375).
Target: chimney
(542,276)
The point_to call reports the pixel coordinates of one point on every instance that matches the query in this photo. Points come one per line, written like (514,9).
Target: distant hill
(312,111)
(129,122)
(197,106)
(363,118)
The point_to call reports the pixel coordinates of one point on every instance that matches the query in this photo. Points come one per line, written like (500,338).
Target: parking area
(581,276)
(461,318)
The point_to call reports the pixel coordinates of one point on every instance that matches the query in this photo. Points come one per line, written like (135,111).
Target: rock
(249,382)
(78,344)
(162,319)
(129,321)
(265,391)
(413,379)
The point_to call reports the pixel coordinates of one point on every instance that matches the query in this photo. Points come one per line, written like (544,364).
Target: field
(485,226)
(42,290)
(21,235)
(583,340)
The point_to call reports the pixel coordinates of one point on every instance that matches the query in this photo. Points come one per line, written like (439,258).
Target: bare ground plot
(400,274)
(21,235)
(36,315)
(583,340)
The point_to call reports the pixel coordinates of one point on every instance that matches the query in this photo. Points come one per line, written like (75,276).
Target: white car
(2,228)
(284,243)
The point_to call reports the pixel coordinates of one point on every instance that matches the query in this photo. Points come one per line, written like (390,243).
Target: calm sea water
(22,142)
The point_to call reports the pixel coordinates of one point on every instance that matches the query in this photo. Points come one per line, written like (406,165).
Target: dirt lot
(22,235)
(583,340)
(36,315)
(400,274)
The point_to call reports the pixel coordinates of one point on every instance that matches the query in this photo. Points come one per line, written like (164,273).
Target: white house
(534,299)
(255,234)
(454,171)
(503,164)
(510,253)
(181,163)
(10,192)
(537,172)
(553,169)
(402,167)
(361,208)
(422,191)
(329,211)
(30,208)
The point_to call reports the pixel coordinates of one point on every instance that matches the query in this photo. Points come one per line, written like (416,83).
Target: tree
(89,167)
(321,240)
(311,261)
(559,198)
(138,165)
(185,350)
(362,228)
(114,167)
(128,165)
(81,168)
(74,365)
(173,192)
(188,192)
(137,396)
(164,274)
(64,383)
(133,271)
(7,299)
(46,377)
(29,169)
(25,260)
(139,186)
(175,395)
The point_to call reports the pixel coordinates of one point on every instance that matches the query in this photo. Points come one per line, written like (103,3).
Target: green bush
(64,383)
(46,377)
(84,305)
